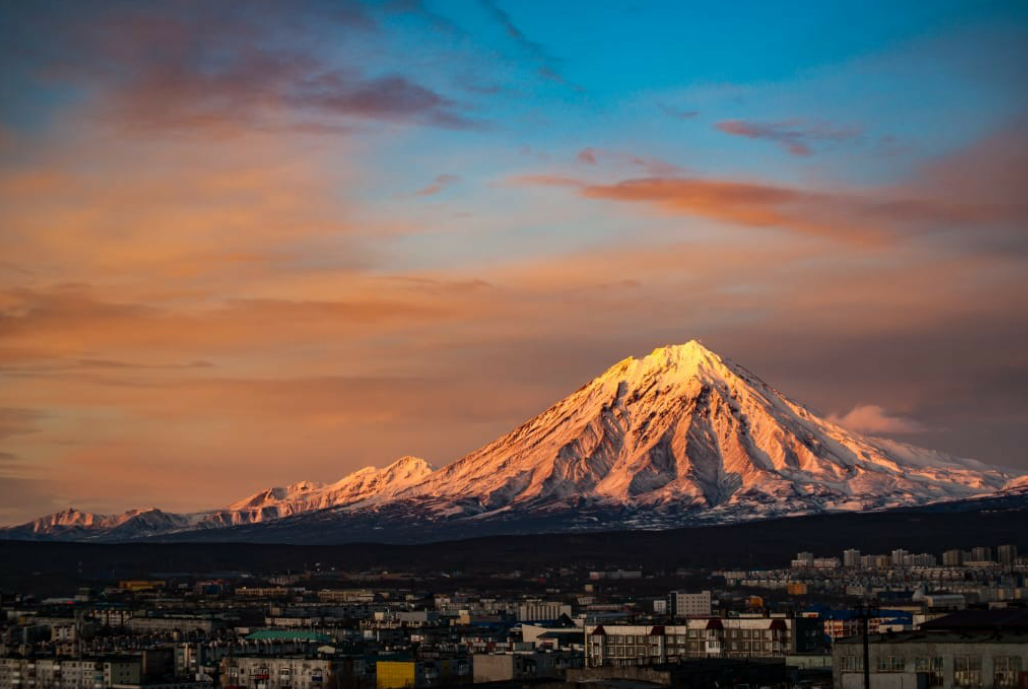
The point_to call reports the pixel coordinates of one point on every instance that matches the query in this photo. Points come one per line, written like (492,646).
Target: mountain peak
(688,355)
(408,461)
(681,361)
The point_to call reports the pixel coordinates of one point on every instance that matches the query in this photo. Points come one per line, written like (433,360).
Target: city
(959,620)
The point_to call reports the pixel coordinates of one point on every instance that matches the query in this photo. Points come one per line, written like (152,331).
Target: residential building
(414,674)
(736,637)
(69,673)
(498,667)
(1007,555)
(542,611)
(947,659)
(683,604)
(287,672)
(981,553)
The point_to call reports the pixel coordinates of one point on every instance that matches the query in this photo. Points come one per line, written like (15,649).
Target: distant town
(953,619)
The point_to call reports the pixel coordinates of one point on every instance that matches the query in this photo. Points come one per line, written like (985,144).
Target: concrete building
(944,659)
(542,611)
(1007,555)
(69,673)
(981,553)
(500,667)
(683,604)
(293,672)
(183,624)
(737,637)
(414,674)
(851,558)
(953,558)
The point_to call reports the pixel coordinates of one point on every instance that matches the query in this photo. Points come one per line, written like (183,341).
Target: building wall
(393,674)
(493,668)
(267,672)
(537,611)
(59,673)
(736,638)
(949,663)
(690,604)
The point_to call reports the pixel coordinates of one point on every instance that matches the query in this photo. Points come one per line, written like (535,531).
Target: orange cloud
(874,420)
(974,197)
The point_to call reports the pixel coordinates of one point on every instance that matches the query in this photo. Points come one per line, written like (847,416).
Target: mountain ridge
(681,435)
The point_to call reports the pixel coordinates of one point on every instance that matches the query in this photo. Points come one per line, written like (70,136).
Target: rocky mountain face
(684,429)
(679,436)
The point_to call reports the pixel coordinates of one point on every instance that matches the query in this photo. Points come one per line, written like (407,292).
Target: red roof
(779,625)
(599,631)
(657,631)
(715,623)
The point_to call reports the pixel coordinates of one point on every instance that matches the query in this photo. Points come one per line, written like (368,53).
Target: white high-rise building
(683,604)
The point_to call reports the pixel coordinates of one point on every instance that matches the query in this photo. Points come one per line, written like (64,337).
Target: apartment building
(942,660)
(542,611)
(736,637)
(292,672)
(69,673)
(684,604)
(415,674)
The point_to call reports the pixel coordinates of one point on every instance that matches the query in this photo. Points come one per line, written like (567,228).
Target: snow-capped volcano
(683,428)
(679,436)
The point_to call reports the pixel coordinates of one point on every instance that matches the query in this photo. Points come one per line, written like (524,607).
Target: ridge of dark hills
(769,543)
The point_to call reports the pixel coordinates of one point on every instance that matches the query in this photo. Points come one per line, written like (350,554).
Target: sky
(244,244)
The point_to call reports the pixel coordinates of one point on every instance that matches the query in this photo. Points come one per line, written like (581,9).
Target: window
(967,671)
(890,664)
(852,664)
(932,667)
(1006,669)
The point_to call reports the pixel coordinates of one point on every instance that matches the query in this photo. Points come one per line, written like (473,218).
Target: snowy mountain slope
(678,436)
(366,485)
(684,429)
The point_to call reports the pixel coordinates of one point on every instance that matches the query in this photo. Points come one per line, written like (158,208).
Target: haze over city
(245,245)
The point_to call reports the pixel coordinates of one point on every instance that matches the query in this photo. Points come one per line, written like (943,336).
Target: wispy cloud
(678,113)
(439,183)
(201,67)
(545,63)
(970,198)
(587,156)
(18,421)
(873,419)
(798,137)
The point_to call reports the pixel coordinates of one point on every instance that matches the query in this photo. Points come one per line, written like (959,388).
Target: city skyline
(244,249)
